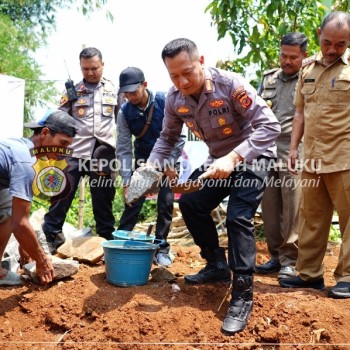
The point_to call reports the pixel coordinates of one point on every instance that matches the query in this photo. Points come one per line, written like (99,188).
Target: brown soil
(85,312)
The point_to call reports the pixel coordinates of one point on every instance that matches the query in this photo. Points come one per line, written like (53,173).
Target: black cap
(56,120)
(130,79)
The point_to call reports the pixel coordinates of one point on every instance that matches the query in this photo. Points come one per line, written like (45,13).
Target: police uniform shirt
(229,115)
(278,91)
(323,93)
(94,114)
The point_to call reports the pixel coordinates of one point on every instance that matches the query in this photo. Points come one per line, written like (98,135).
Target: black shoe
(340,291)
(297,282)
(59,240)
(209,274)
(273,265)
(237,316)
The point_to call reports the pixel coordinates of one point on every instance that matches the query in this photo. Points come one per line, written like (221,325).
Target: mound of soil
(85,312)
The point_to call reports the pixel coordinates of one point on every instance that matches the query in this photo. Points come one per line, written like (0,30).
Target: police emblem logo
(221,121)
(81,112)
(50,179)
(227,131)
(240,94)
(216,103)
(183,109)
(81,101)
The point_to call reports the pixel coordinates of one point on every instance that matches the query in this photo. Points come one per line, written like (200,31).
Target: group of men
(244,130)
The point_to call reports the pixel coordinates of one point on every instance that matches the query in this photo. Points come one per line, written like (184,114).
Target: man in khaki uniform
(323,117)
(281,200)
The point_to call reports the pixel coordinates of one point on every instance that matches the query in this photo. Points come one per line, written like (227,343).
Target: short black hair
(174,47)
(90,52)
(295,39)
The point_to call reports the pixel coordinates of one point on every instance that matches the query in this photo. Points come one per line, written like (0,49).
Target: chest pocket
(267,94)
(81,106)
(340,92)
(108,105)
(223,125)
(308,89)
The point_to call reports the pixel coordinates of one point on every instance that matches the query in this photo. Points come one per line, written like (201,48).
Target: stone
(83,249)
(161,274)
(63,268)
(143,181)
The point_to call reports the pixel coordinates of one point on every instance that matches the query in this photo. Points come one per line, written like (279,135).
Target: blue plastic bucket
(133,236)
(128,263)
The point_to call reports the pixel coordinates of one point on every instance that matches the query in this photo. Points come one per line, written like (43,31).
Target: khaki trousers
(315,218)
(280,207)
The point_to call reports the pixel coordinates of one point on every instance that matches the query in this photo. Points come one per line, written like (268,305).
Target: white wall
(12,106)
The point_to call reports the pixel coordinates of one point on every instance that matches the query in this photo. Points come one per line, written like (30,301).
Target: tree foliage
(257,26)
(24,28)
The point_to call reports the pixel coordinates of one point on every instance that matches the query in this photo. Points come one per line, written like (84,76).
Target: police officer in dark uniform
(222,109)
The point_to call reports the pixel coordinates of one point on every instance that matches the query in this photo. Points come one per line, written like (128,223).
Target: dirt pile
(85,312)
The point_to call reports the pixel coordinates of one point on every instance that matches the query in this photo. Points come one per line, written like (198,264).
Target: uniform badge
(209,85)
(240,94)
(64,100)
(269,103)
(189,125)
(227,131)
(183,109)
(81,112)
(50,179)
(109,109)
(221,121)
(216,103)
(81,101)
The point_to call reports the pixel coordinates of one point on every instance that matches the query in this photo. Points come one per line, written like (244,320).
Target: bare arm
(26,237)
(297,134)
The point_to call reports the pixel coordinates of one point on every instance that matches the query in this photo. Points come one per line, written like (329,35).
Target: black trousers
(102,195)
(165,206)
(244,189)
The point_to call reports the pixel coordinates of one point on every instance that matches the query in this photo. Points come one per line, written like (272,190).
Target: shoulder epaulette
(308,60)
(270,71)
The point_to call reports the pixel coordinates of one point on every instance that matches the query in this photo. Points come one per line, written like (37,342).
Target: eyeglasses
(134,93)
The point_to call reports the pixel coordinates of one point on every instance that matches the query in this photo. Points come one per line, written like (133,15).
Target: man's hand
(171,174)
(24,257)
(44,270)
(292,160)
(222,167)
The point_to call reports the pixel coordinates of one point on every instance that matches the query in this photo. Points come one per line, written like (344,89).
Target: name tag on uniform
(309,80)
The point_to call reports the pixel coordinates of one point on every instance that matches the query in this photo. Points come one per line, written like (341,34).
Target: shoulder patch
(273,70)
(308,60)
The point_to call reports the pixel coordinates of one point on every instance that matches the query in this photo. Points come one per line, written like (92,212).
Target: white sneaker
(162,259)
(286,272)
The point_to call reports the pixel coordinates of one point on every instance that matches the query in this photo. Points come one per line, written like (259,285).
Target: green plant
(148,211)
